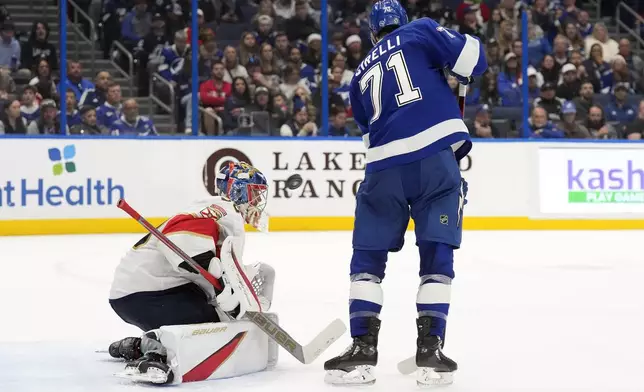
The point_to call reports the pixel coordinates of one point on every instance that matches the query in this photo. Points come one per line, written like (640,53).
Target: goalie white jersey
(199,231)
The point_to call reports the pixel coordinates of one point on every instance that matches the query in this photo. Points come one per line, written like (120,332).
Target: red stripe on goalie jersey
(188,224)
(210,365)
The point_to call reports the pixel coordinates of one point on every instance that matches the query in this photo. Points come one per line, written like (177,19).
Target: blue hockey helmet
(386,13)
(246,188)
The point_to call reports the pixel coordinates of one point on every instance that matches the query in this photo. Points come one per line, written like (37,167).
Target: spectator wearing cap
(295,60)
(301,25)
(599,71)
(541,127)
(584,101)
(148,52)
(635,129)
(610,48)
(571,128)
(173,58)
(38,47)
(96,96)
(264,32)
(482,127)
(11,121)
(248,48)
(43,81)
(48,123)
(570,84)
(136,24)
(619,109)
(73,116)
(508,81)
(75,80)
(313,55)
(338,123)
(235,104)
(29,109)
(9,47)
(355,52)
(205,32)
(111,109)
(549,101)
(538,46)
(233,68)
(88,124)
(533,83)
(130,123)
(300,124)
(213,94)
(597,125)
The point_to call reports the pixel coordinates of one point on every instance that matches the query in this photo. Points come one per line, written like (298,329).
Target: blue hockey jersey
(143,126)
(92,97)
(106,114)
(401,100)
(173,62)
(31,113)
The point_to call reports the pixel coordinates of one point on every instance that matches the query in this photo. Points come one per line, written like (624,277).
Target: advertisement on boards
(594,181)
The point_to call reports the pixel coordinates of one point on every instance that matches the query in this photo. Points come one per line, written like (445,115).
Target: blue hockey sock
(436,274)
(365,298)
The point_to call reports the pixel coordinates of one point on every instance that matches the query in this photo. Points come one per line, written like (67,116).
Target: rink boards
(64,186)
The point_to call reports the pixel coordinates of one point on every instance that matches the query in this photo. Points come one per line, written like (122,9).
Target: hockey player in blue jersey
(415,136)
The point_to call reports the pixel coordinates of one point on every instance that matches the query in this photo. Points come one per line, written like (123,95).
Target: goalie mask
(247,189)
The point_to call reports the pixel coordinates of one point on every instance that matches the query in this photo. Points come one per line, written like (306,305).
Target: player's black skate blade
(127,348)
(150,369)
(355,366)
(434,367)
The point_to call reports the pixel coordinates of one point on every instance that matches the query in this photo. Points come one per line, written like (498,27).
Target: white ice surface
(532,311)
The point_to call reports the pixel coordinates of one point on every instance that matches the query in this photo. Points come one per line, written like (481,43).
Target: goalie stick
(305,354)
(408,366)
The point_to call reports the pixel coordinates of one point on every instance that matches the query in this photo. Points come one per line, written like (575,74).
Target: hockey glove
(461,79)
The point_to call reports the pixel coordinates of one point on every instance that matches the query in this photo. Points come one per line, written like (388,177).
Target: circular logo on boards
(216,161)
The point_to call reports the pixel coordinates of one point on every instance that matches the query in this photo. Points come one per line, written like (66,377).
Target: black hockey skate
(356,364)
(151,368)
(128,349)
(434,367)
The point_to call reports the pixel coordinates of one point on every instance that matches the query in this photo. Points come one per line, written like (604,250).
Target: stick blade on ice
(408,366)
(324,340)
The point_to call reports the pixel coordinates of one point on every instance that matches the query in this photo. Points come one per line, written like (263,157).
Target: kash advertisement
(596,180)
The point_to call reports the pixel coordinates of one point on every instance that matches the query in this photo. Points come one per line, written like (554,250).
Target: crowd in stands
(259,65)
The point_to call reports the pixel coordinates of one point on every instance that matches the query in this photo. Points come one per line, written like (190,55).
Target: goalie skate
(149,369)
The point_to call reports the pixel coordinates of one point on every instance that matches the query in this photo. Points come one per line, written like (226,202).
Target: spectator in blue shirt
(73,117)
(9,47)
(110,110)
(538,47)
(508,81)
(130,123)
(136,24)
(338,123)
(30,109)
(583,24)
(541,127)
(75,80)
(619,109)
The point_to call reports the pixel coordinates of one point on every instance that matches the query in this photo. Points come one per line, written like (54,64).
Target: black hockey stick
(408,366)
(305,354)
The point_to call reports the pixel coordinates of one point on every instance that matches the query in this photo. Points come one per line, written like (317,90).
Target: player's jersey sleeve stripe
(468,58)
(188,224)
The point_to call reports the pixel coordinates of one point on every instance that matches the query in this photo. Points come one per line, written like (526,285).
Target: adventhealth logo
(73,189)
(63,162)
(614,184)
